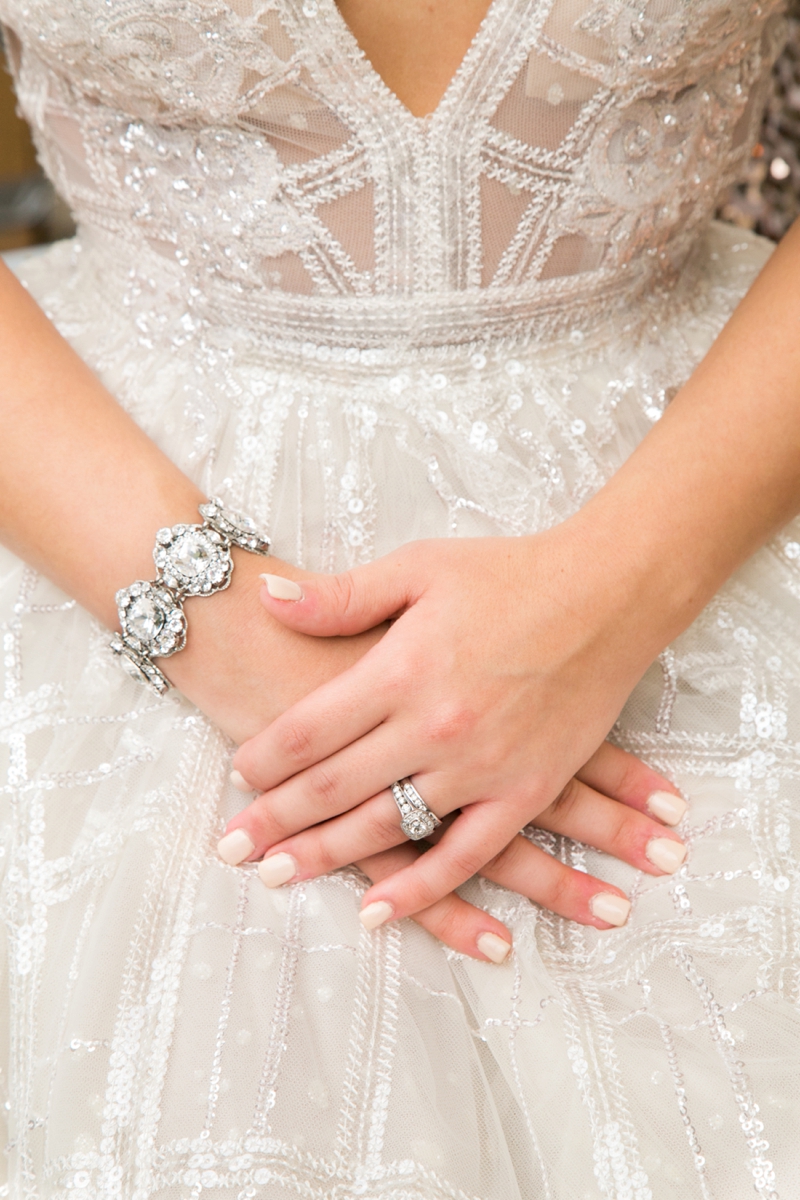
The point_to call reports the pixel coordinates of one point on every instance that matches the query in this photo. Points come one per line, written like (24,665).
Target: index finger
(330,718)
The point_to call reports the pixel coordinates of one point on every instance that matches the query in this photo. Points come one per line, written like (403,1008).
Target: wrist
(645,567)
(241,666)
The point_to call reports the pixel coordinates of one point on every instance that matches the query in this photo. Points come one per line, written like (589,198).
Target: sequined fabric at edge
(363,327)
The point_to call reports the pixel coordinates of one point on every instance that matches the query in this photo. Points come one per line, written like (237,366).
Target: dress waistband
(575,306)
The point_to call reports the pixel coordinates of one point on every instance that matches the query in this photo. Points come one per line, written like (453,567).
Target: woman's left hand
(508,661)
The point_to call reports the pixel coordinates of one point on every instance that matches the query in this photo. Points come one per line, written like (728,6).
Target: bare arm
(719,474)
(83,491)
(568,620)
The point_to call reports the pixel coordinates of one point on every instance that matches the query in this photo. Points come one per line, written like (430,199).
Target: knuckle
(384,826)
(343,593)
(508,860)
(445,920)
(463,862)
(561,891)
(567,798)
(322,857)
(425,894)
(295,741)
(627,777)
(323,783)
(449,722)
(267,825)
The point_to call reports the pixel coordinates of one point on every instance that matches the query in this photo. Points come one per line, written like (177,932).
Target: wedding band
(417,820)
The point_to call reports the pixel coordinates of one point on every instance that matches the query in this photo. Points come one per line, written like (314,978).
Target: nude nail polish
(235,847)
(277,869)
(666,854)
(282,589)
(495,948)
(375,914)
(666,807)
(238,780)
(607,906)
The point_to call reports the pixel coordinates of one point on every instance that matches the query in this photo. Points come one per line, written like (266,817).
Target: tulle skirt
(176,1030)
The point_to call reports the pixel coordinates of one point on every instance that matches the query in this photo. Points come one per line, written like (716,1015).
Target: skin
(82,506)
(416,47)
(335,632)
(496,726)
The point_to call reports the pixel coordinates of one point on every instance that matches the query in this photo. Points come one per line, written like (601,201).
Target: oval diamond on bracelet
(193,560)
(152,618)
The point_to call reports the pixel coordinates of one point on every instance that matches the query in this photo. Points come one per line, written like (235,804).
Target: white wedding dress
(363,327)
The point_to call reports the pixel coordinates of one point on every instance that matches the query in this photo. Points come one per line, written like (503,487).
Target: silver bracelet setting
(192,560)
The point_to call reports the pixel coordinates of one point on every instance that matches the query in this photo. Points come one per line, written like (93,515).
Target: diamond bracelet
(191,560)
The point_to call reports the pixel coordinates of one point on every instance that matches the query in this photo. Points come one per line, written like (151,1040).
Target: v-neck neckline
(482,37)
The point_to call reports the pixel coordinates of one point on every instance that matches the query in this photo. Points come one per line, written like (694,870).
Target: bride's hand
(509,663)
(606,806)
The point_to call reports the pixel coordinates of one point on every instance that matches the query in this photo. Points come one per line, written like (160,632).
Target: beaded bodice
(574,157)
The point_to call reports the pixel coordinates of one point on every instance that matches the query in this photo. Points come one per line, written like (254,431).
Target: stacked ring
(417,820)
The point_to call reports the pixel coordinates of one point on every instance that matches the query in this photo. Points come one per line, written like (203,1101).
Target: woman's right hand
(243,671)
(602,807)
(615,804)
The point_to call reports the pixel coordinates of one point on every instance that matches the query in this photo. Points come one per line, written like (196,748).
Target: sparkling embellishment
(145,619)
(417,819)
(235,527)
(195,562)
(207,259)
(152,619)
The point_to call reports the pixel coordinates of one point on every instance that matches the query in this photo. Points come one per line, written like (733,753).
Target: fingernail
(238,780)
(495,948)
(666,807)
(277,869)
(666,854)
(282,589)
(375,914)
(609,907)
(235,847)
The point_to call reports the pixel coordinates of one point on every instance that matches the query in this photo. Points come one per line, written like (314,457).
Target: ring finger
(336,786)
(375,826)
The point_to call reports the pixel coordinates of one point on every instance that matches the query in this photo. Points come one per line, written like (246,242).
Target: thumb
(336,605)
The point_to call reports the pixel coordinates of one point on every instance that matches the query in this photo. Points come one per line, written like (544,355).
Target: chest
(177,61)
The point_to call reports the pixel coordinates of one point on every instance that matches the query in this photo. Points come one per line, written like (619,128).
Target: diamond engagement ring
(191,560)
(417,820)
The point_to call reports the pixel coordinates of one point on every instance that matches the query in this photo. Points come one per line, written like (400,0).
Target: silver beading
(191,560)
(417,820)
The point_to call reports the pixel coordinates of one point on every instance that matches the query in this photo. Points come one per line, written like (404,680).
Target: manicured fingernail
(495,948)
(666,854)
(238,780)
(666,807)
(282,589)
(375,914)
(607,906)
(277,869)
(235,847)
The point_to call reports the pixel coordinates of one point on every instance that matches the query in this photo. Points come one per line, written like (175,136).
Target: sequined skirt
(177,1029)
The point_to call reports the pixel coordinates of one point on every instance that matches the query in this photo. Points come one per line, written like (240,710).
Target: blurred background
(767,199)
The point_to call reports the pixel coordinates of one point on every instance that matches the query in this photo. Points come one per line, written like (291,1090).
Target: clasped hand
(505,666)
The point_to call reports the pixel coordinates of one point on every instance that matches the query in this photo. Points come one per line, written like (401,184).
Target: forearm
(719,473)
(83,491)
(82,488)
